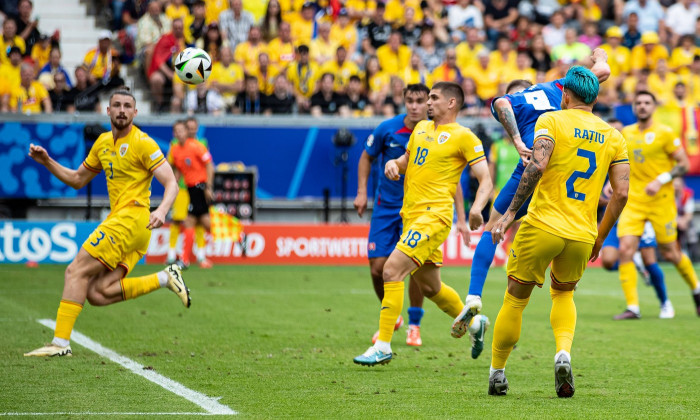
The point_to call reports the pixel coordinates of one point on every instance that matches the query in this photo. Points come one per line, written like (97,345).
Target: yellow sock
(506,331)
(563,318)
(65,318)
(174,234)
(686,270)
(133,287)
(628,278)
(448,300)
(392,304)
(199,236)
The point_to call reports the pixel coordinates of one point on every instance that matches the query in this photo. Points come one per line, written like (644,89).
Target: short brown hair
(451,90)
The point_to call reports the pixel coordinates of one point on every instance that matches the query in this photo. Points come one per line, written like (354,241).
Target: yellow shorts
(534,249)
(422,237)
(180,206)
(121,239)
(661,215)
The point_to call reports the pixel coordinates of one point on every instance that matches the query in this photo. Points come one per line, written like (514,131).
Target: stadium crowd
(353,57)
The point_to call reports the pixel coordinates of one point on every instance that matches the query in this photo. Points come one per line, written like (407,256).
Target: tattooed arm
(541,153)
(507,119)
(682,165)
(619,181)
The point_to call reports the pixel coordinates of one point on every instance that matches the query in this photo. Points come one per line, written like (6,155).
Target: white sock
(696,291)
(162,278)
(633,308)
(565,353)
(383,346)
(172,254)
(472,297)
(492,370)
(201,254)
(60,342)
(475,325)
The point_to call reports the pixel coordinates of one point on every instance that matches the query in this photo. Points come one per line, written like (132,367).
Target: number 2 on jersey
(570,192)
(421,154)
(538,99)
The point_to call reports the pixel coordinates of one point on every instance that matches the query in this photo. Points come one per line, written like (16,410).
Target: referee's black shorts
(198,202)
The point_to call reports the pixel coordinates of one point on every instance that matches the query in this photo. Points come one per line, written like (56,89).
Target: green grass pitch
(278,342)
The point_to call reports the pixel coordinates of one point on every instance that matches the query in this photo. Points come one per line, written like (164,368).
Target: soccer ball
(193,66)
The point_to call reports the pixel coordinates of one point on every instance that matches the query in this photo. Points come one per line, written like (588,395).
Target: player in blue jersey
(388,141)
(518,112)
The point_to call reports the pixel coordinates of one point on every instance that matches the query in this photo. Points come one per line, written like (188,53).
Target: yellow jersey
(640,59)
(28,101)
(9,78)
(566,198)
(412,76)
(618,59)
(226,74)
(497,61)
(281,53)
(650,151)
(466,55)
(128,163)
(393,62)
(342,73)
(321,51)
(17,41)
(213,9)
(437,157)
(303,78)
(486,79)
(396,10)
(302,31)
(443,73)
(511,73)
(247,54)
(347,37)
(681,59)
(663,88)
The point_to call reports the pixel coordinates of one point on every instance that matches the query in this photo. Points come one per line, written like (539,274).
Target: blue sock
(657,280)
(483,257)
(414,315)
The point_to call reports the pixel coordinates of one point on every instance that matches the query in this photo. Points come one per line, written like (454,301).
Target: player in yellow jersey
(130,159)
(573,152)
(437,153)
(656,157)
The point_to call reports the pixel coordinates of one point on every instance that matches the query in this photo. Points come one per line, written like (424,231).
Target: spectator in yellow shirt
(618,55)
(9,77)
(394,56)
(345,32)
(341,68)
(30,97)
(323,48)
(214,8)
(522,70)
(486,76)
(680,98)
(504,56)
(41,52)
(177,9)
(226,78)
(266,74)
(281,49)
(377,82)
(303,28)
(646,55)
(10,39)
(692,80)
(303,75)
(361,11)
(683,55)
(662,82)
(416,72)
(448,70)
(291,9)
(247,52)
(396,9)
(635,83)
(468,49)
(99,60)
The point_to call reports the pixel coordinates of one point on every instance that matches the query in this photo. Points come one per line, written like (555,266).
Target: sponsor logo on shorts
(372,246)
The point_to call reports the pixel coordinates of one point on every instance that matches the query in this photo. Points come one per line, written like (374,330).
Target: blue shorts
(505,196)
(384,231)
(647,240)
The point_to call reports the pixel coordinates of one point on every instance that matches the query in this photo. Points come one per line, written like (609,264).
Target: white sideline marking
(211,405)
(91,413)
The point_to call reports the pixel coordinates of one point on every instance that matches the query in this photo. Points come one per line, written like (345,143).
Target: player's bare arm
(482,174)
(461,225)
(681,168)
(619,176)
(364,166)
(396,167)
(164,175)
(507,119)
(209,191)
(600,66)
(541,153)
(75,178)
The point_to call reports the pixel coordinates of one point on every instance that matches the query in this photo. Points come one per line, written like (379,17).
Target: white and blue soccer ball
(192,66)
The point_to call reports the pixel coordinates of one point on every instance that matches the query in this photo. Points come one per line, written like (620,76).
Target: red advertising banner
(307,244)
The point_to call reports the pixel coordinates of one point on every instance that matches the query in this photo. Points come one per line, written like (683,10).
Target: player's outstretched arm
(541,153)
(75,178)
(364,167)
(600,66)
(164,175)
(507,119)
(681,168)
(619,182)
(396,167)
(481,173)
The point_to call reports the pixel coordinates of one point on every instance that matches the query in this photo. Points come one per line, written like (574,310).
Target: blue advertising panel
(42,242)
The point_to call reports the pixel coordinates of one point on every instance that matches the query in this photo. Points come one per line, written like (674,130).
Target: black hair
(416,88)
(645,92)
(451,90)
(518,83)
(122,90)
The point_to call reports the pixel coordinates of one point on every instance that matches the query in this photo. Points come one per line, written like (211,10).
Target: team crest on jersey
(370,140)
(122,149)
(649,138)
(443,137)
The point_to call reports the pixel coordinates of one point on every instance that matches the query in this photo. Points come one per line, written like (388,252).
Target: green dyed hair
(583,83)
